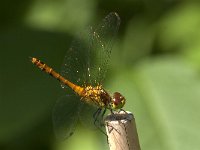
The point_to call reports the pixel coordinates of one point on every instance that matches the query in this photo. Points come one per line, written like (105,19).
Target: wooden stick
(121,131)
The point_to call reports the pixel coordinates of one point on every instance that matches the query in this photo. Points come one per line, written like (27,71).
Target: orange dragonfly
(83,71)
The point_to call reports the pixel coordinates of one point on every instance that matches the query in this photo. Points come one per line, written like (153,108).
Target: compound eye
(118,100)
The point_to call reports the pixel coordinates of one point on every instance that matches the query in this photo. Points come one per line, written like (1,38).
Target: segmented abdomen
(79,90)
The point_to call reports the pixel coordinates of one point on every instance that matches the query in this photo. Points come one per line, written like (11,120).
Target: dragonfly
(83,72)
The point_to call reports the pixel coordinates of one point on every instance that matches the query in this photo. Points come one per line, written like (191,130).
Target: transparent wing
(86,115)
(102,38)
(87,59)
(65,116)
(75,61)
(84,63)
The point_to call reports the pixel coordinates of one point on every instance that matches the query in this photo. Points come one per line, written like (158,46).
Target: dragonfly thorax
(98,96)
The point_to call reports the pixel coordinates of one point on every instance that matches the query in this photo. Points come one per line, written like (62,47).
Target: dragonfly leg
(97,123)
(96,120)
(102,117)
(111,111)
(123,110)
(96,114)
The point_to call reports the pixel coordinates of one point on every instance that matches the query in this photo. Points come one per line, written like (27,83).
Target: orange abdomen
(79,90)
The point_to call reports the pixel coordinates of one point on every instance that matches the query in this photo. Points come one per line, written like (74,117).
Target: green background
(155,63)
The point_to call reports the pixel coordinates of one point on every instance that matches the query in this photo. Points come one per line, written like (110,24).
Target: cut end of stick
(121,131)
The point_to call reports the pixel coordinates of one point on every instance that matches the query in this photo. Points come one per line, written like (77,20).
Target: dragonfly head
(118,101)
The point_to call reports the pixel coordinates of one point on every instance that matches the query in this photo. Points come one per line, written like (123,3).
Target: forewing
(74,66)
(86,60)
(102,38)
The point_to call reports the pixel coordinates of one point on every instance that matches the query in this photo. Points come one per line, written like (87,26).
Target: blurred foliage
(155,64)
